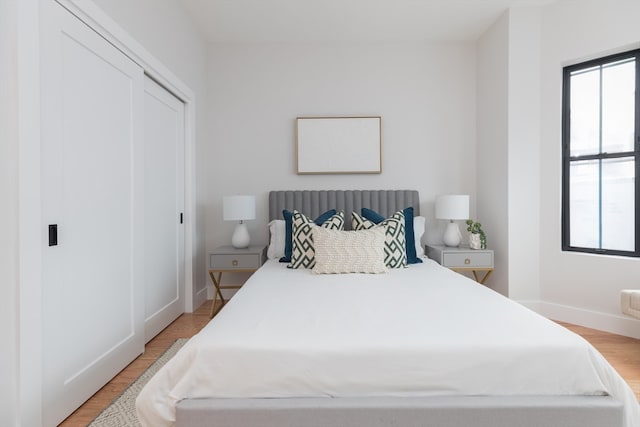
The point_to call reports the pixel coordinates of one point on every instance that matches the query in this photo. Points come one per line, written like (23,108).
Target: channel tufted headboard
(314,202)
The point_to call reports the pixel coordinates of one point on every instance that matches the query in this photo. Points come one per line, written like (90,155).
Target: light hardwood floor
(185,326)
(622,352)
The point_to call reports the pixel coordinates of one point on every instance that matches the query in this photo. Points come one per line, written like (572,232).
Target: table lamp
(452,207)
(239,208)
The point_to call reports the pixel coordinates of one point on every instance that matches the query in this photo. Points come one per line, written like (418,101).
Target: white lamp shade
(452,206)
(239,208)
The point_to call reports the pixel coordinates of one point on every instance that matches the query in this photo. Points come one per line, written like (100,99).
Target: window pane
(585,112)
(600,153)
(583,204)
(618,112)
(618,201)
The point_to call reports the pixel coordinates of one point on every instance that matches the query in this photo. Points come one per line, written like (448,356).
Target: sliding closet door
(164,207)
(92,186)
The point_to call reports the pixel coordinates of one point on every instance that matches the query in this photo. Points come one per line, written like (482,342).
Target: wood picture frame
(339,145)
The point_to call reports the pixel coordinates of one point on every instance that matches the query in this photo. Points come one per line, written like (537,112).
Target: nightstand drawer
(467,259)
(234,261)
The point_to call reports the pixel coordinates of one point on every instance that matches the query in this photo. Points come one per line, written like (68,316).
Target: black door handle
(53,234)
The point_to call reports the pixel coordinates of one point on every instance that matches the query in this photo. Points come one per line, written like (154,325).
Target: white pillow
(277,238)
(419,225)
(339,251)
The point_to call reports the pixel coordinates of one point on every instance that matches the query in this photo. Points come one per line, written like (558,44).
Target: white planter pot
(474,241)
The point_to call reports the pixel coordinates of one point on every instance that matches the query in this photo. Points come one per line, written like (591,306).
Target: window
(600,156)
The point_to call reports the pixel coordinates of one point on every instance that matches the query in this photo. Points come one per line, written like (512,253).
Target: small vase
(474,241)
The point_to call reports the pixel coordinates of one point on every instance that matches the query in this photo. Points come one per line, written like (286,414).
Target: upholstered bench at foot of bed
(630,302)
(458,411)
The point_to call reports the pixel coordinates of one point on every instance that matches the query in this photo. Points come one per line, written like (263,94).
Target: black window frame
(567,159)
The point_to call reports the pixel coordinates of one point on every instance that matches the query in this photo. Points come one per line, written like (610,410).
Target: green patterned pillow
(395,254)
(303,254)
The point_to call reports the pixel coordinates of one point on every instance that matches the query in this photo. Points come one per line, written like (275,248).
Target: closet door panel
(92,184)
(164,203)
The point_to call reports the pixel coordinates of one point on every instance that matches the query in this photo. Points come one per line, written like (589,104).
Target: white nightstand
(463,259)
(227,259)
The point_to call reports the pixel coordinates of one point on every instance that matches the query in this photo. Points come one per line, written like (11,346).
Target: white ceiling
(254,21)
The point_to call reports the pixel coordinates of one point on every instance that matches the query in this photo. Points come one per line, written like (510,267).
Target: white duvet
(419,331)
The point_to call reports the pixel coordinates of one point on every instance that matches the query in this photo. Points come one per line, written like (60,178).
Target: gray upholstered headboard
(315,202)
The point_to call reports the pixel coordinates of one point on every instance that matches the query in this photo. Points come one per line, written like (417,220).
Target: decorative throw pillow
(288,240)
(339,251)
(276,239)
(419,226)
(303,254)
(410,240)
(395,253)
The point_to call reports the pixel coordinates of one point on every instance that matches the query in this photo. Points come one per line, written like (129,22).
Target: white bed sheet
(419,331)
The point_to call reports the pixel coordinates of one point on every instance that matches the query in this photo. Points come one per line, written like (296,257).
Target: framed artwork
(338,145)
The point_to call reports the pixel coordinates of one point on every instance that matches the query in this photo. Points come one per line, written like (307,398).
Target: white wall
(22,289)
(579,288)
(164,29)
(492,135)
(523,154)
(9,214)
(508,104)
(424,92)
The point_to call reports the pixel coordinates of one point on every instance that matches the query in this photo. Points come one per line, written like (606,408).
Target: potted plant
(477,238)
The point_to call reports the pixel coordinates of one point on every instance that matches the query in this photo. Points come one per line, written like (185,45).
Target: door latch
(53,234)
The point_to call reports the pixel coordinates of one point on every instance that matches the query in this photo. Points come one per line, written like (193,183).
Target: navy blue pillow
(288,230)
(410,239)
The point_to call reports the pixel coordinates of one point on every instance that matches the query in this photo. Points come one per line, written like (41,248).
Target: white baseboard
(615,324)
(201,296)
(533,305)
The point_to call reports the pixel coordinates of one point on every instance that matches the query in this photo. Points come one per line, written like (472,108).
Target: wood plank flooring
(184,326)
(622,352)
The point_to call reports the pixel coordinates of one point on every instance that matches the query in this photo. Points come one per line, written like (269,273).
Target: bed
(415,346)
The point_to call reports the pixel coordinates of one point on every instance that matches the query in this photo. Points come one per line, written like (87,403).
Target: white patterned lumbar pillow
(349,251)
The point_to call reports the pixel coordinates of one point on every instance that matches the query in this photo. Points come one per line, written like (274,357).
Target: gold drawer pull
(467,261)
(234,262)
